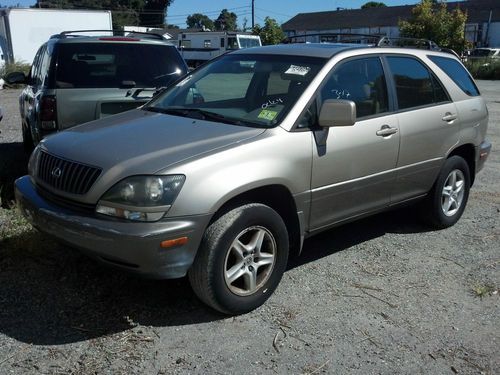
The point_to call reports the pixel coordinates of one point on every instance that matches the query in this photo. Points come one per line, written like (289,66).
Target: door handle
(386,131)
(449,117)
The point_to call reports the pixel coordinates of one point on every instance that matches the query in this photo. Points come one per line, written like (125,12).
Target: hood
(139,142)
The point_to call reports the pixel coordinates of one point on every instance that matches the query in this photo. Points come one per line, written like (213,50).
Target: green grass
(484,68)
(12,224)
(15,67)
(17,237)
(483,290)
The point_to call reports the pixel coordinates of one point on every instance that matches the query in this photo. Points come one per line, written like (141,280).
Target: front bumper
(134,246)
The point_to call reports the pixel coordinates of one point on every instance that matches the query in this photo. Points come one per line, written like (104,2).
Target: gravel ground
(382,295)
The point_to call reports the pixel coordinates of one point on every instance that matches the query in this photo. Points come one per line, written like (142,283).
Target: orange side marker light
(175,242)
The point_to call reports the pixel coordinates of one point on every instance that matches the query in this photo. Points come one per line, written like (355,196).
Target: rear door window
(457,73)
(115,65)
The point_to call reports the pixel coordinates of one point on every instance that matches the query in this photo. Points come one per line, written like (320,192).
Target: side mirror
(337,112)
(16,77)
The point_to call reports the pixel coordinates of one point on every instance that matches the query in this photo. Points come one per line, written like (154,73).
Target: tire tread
(202,282)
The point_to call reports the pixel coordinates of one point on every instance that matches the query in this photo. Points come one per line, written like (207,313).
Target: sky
(280,10)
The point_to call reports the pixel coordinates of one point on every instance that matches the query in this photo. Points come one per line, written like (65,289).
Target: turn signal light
(175,242)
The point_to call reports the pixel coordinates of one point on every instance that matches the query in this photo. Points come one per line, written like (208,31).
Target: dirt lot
(383,295)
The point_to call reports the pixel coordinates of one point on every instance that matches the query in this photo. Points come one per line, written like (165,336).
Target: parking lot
(382,295)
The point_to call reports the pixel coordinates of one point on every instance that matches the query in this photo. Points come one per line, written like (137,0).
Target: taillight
(48,112)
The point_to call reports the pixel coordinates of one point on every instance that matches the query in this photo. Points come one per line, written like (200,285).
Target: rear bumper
(482,153)
(133,246)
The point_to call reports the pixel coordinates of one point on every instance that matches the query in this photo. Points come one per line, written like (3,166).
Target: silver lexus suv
(228,171)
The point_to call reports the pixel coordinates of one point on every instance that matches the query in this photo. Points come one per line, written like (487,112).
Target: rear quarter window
(457,73)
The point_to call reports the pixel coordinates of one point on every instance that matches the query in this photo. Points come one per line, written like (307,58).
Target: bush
(18,66)
(484,68)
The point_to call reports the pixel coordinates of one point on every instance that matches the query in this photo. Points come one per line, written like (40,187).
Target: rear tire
(241,259)
(447,199)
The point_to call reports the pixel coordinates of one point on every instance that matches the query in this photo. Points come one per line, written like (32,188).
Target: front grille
(64,175)
(82,208)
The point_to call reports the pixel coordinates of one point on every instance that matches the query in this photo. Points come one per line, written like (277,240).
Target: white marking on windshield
(298,70)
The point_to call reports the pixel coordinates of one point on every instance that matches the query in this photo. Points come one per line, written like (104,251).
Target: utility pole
(253,14)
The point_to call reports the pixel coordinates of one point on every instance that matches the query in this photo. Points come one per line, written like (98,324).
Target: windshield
(249,90)
(247,42)
(115,65)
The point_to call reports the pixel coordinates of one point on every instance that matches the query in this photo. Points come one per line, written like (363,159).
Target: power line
(270,11)
(207,12)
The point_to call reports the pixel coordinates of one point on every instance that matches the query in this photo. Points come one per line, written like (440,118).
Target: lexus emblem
(56,172)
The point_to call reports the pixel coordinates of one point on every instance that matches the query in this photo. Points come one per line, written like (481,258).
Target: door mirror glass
(337,112)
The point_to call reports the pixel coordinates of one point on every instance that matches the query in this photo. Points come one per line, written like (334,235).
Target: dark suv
(76,78)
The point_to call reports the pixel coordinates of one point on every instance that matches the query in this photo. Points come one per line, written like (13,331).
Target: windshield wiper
(197,113)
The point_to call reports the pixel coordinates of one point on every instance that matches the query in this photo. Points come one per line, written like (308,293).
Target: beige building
(482,28)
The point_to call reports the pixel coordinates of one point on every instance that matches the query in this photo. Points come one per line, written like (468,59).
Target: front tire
(241,259)
(448,197)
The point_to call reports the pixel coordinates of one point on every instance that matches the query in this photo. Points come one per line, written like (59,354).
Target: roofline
(470,6)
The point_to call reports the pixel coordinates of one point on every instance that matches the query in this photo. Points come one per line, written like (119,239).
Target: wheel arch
(277,197)
(467,152)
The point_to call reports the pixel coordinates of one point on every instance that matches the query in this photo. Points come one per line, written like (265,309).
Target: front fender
(278,157)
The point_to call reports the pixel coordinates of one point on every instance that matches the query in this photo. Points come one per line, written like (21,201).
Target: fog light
(129,214)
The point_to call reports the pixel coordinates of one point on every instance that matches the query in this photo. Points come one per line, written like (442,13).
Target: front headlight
(34,161)
(141,198)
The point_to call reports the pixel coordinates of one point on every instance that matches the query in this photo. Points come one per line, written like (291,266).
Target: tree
(244,26)
(270,33)
(199,21)
(226,21)
(432,20)
(373,4)
(154,12)
(171,26)
(125,12)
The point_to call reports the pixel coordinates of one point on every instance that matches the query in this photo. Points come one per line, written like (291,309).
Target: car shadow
(52,295)
(13,164)
(401,220)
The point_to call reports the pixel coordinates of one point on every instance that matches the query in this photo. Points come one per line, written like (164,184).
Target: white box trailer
(199,46)
(23,31)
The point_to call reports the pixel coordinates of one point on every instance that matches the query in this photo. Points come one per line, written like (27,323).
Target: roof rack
(414,43)
(76,33)
(386,41)
(370,39)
